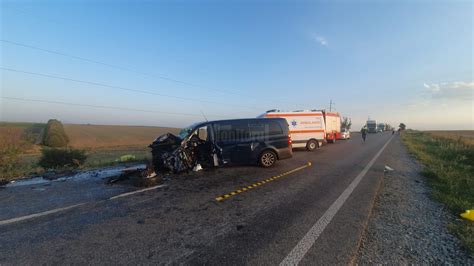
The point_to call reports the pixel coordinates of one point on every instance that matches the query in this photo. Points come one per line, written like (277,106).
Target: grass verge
(449,169)
(28,163)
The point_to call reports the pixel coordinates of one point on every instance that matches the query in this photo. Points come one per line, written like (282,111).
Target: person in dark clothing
(364,133)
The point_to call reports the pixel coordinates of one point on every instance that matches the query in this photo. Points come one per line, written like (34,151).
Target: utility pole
(330,105)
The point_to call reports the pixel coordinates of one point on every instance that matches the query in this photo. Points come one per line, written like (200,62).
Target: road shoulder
(406,226)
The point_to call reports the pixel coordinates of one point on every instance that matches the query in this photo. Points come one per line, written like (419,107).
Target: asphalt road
(313,215)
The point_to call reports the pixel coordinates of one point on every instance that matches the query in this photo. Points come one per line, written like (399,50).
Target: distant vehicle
(333,126)
(345,133)
(215,143)
(310,128)
(371,126)
(381,127)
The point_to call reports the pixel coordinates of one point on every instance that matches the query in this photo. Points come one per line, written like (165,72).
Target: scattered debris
(388,169)
(197,168)
(138,176)
(3,182)
(468,214)
(53,175)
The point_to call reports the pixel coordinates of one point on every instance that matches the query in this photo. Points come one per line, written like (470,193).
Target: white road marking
(40,214)
(300,250)
(135,192)
(36,215)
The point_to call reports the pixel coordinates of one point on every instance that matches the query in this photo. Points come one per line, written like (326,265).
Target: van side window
(223,132)
(241,130)
(275,129)
(257,129)
(230,131)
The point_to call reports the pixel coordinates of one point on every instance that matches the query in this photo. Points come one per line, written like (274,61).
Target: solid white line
(36,215)
(300,250)
(40,214)
(135,192)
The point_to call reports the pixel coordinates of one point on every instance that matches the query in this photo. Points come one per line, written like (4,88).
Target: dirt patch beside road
(406,226)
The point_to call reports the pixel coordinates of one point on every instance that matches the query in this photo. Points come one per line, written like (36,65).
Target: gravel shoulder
(406,226)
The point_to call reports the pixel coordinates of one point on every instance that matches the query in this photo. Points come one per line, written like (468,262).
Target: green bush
(59,158)
(54,135)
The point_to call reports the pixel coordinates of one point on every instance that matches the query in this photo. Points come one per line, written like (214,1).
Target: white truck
(371,126)
(310,128)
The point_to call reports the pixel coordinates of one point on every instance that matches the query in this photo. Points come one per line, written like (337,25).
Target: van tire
(312,145)
(267,158)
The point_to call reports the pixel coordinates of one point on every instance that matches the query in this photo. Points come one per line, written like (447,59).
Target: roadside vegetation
(13,142)
(448,161)
(28,149)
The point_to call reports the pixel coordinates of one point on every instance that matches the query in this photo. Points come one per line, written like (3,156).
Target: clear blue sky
(408,61)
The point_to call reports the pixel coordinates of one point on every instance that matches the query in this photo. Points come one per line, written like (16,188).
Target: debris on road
(197,168)
(53,174)
(138,176)
(77,176)
(3,182)
(388,169)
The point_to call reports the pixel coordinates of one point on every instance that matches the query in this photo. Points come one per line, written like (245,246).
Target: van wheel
(267,158)
(311,145)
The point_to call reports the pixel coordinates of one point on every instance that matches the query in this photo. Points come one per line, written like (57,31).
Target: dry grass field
(111,137)
(105,145)
(466,136)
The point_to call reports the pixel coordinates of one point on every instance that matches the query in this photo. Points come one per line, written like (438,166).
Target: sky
(172,63)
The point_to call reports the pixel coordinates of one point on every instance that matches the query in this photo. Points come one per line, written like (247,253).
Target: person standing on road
(364,133)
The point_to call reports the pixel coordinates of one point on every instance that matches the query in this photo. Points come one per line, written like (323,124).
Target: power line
(120,67)
(102,106)
(120,88)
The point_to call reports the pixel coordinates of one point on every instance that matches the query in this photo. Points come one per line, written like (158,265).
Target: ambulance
(310,128)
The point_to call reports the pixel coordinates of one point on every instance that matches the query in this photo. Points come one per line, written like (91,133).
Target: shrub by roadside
(449,169)
(53,158)
(13,144)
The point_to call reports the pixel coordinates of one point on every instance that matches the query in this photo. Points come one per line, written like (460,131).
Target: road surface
(295,212)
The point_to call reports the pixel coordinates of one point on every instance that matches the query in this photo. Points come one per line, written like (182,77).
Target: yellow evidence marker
(469,214)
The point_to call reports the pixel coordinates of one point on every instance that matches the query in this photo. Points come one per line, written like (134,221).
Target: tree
(402,126)
(54,134)
(346,123)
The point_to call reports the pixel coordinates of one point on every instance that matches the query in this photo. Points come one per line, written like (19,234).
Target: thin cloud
(451,90)
(320,39)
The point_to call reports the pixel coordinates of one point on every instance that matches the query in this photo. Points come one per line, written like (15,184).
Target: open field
(449,169)
(97,136)
(104,144)
(110,137)
(466,136)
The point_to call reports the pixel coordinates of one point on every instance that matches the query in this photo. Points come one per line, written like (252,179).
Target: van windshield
(184,133)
